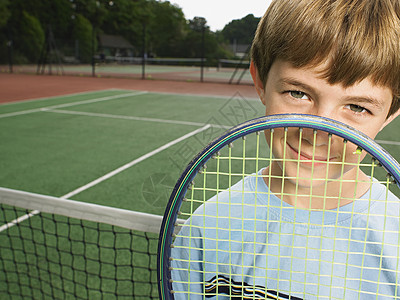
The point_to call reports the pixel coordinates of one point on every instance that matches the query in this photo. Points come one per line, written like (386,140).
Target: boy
(332,58)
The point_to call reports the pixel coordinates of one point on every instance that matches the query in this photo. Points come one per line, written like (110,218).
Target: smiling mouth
(307,157)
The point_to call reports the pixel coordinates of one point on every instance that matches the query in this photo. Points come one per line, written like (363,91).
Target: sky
(218,13)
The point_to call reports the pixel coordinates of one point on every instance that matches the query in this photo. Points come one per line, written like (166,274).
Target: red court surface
(16,87)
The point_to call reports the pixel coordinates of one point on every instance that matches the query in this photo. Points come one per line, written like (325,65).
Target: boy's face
(363,106)
(288,89)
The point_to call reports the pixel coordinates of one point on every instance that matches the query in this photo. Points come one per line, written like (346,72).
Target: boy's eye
(356,108)
(298,95)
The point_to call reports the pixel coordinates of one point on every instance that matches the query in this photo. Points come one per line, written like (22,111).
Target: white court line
(388,142)
(136,161)
(155,120)
(24,112)
(108,175)
(22,101)
(235,96)
(29,111)
(89,114)
(19,220)
(94,100)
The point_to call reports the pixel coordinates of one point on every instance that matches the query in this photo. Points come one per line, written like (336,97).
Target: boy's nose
(319,138)
(315,137)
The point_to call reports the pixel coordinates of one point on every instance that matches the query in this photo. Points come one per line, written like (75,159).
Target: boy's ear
(390,119)
(257,81)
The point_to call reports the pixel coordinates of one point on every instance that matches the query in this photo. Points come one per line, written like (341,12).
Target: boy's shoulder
(385,202)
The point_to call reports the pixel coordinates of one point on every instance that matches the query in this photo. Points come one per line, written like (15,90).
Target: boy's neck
(323,197)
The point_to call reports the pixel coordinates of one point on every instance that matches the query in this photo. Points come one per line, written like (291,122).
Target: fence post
(203,29)
(144,51)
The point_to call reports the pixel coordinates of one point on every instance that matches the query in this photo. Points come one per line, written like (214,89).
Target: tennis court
(57,145)
(115,148)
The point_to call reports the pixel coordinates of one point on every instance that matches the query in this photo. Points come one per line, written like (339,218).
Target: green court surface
(55,146)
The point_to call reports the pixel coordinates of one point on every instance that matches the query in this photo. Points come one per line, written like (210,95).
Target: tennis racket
(284,207)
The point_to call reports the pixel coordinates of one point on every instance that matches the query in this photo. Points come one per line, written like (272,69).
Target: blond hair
(358,39)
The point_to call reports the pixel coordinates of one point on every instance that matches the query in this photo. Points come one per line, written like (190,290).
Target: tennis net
(53,248)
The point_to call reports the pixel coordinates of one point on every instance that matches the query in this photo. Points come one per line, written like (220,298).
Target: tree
(95,11)
(30,38)
(83,35)
(126,18)
(54,13)
(160,24)
(4,13)
(192,44)
(5,33)
(241,31)
(166,29)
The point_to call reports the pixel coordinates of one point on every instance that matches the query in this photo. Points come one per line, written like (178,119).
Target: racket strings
(219,175)
(244,159)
